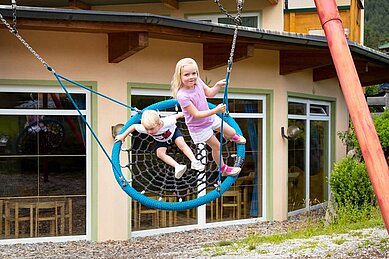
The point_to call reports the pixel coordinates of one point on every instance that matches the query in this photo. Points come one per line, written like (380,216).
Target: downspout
(372,152)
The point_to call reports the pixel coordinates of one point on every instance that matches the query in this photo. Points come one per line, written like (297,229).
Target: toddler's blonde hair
(176,83)
(150,119)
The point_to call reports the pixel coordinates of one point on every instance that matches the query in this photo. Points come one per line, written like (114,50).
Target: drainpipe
(372,152)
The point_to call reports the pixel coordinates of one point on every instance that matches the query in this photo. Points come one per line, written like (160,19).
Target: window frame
(308,117)
(88,149)
(201,210)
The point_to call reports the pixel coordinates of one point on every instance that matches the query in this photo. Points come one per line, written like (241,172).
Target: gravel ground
(365,243)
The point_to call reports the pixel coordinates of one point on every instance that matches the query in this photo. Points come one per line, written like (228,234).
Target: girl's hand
(221,83)
(220,108)
(120,137)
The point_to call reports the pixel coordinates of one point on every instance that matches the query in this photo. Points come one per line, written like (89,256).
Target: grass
(344,223)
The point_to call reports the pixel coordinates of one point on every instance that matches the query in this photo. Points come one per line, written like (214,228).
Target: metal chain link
(17,35)
(14,16)
(238,21)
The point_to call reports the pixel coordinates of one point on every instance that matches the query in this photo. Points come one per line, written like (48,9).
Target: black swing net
(152,177)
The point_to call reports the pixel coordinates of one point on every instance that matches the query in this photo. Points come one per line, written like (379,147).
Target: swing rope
(238,21)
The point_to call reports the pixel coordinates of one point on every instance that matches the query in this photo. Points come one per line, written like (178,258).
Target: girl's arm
(122,136)
(192,110)
(212,91)
(179,115)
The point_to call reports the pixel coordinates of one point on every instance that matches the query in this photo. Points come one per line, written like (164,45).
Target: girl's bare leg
(230,134)
(214,144)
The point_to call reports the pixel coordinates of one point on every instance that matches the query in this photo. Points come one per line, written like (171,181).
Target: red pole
(352,90)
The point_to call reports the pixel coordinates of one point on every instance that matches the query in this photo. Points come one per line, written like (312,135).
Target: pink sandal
(230,171)
(238,139)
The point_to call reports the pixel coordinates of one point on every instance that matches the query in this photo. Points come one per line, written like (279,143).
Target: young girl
(191,93)
(164,131)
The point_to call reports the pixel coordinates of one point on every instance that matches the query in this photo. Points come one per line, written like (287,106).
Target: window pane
(316,109)
(296,168)
(318,161)
(240,105)
(248,21)
(59,101)
(141,102)
(42,167)
(297,108)
(38,134)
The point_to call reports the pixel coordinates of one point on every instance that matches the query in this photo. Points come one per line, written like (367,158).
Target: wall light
(116,129)
(292,132)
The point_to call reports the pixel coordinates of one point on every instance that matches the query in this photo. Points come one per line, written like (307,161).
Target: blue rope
(225,101)
(95,92)
(116,170)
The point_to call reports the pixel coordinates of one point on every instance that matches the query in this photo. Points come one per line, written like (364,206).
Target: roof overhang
(129,33)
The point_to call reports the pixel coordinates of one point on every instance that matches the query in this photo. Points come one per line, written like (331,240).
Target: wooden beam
(172,4)
(273,2)
(373,76)
(323,73)
(328,72)
(77,4)
(124,44)
(217,54)
(292,61)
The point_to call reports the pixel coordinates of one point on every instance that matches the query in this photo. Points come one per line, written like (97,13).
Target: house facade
(57,181)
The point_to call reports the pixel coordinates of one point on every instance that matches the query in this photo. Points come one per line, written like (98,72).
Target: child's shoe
(238,139)
(179,170)
(230,171)
(197,165)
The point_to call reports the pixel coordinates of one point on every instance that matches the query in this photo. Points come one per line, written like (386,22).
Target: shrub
(350,184)
(381,123)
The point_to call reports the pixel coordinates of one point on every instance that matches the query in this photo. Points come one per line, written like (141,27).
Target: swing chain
(237,20)
(14,29)
(17,35)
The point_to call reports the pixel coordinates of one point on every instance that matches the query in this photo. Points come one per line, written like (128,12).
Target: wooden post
(352,90)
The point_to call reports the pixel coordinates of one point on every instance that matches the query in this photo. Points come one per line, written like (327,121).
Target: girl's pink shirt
(196,97)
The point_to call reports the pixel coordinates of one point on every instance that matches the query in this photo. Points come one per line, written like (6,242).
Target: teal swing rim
(179,205)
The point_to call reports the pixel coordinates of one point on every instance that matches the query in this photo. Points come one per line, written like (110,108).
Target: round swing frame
(168,205)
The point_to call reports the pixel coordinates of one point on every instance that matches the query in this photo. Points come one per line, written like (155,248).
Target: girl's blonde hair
(150,119)
(176,83)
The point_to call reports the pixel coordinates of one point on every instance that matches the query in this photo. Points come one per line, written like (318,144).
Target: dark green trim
(313,9)
(334,135)
(311,96)
(129,201)
(147,86)
(94,163)
(42,83)
(269,140)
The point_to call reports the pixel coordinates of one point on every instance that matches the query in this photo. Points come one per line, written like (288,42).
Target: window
(308,154)
(248,19)
(245,199)
(43,162)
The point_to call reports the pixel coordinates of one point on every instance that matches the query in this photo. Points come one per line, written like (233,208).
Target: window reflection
(58,101)
(42,166)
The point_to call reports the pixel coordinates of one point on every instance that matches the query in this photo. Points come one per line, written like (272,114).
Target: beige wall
(83,57)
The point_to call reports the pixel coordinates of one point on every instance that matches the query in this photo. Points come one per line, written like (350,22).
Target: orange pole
(352,90)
